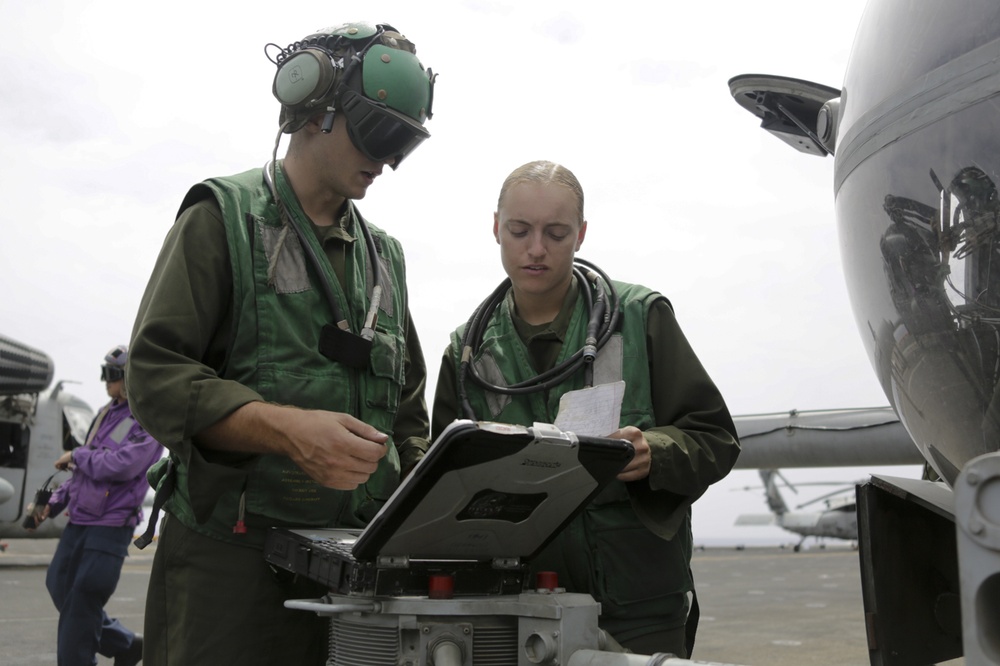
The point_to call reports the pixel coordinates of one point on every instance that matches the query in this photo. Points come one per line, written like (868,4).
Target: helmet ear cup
(305,79)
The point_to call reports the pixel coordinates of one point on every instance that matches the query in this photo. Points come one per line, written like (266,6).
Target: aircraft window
(13,445)
(76,422)
(70,441)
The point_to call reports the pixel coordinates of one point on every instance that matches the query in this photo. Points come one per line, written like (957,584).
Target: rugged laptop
(484,500)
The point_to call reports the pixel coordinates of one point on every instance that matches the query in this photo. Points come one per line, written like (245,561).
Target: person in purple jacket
(104,498)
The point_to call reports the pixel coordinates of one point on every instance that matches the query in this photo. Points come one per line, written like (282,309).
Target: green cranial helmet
(370,73)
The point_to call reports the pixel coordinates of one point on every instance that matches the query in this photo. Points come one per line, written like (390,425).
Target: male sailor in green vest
(274,356)
(534,340)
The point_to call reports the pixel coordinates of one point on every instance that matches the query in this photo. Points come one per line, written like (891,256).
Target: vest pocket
(91,500)
(385,376)
(632,565)
(280,491)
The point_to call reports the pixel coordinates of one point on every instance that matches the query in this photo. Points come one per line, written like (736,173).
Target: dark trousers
(81,578)
(211,602)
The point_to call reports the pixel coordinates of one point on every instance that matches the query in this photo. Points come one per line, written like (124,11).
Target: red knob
(440,586)
(547,580)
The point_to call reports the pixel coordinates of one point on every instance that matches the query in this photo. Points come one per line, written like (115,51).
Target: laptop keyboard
(339,547)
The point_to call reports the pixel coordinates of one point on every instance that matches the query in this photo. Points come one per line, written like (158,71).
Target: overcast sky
(112,110)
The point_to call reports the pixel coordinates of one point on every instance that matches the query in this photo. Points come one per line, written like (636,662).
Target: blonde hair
(543,172)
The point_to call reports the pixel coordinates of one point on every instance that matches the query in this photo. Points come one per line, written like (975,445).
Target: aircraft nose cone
(916,204)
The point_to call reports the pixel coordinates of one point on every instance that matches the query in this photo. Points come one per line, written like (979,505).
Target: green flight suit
(213,334)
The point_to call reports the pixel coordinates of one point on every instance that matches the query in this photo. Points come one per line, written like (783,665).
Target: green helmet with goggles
(370,73)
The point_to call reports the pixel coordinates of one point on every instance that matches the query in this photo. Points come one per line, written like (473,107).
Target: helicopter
(914,134)
(37,424)
(838,520)
(871,436)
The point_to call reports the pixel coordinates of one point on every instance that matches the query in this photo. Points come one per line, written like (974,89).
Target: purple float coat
(109,482)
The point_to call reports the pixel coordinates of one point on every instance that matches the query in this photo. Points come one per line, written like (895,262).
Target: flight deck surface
(759,606)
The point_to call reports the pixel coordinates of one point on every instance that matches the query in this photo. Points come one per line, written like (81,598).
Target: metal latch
(393,561)
(506,562)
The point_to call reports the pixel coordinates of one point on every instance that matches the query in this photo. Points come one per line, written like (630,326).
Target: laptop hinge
(393,562)
(552,434)
(506,562)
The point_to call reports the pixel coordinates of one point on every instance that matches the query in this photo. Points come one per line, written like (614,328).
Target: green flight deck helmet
(371,74)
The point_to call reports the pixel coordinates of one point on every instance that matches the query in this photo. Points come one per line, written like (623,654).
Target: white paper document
(591,411)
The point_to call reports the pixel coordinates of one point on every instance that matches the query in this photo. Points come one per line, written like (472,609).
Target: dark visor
(379,132)
(110,373)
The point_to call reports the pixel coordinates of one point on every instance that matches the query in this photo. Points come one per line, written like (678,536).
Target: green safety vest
(605,551)
(274,350)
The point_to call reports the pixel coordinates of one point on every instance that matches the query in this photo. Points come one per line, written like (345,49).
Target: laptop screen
(489,490)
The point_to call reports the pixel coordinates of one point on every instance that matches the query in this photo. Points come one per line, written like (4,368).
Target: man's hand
(638,468)
(40,515)
(65,461)
(335,449)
